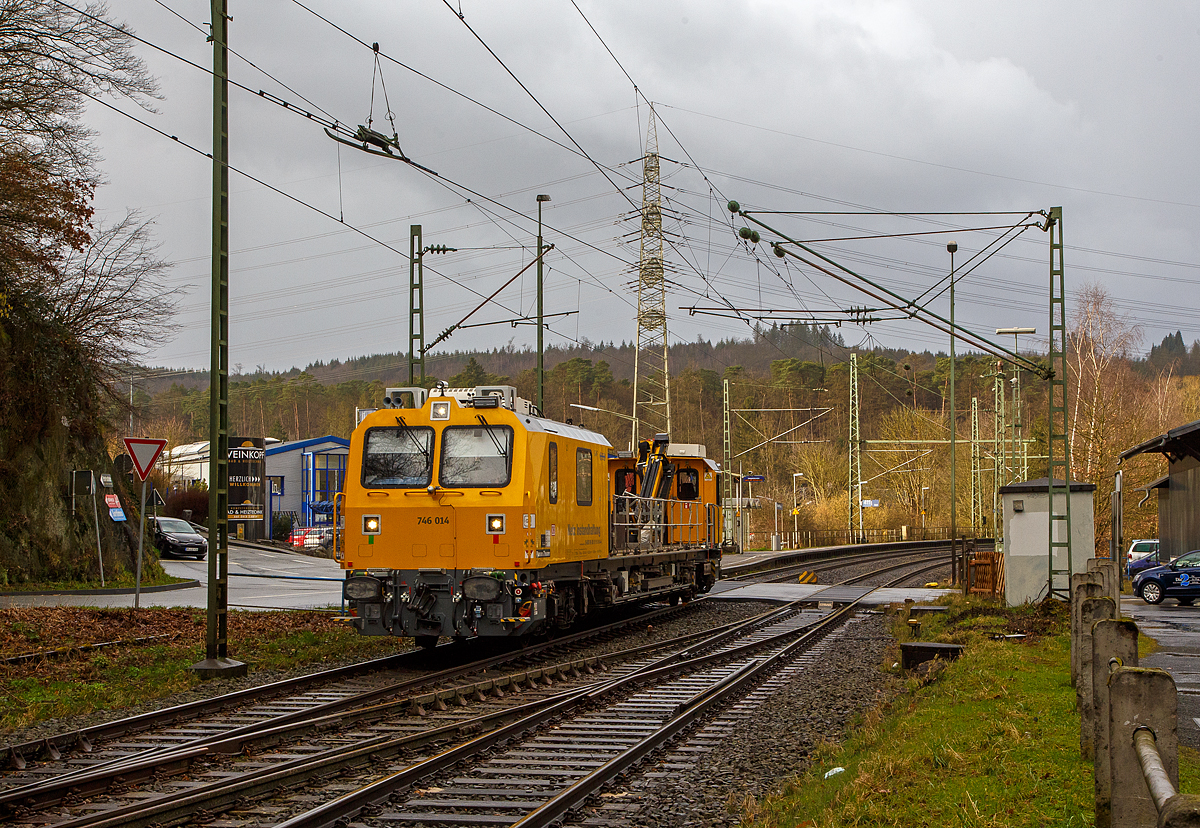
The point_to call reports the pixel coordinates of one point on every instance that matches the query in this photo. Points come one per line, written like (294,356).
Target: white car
(1140,549)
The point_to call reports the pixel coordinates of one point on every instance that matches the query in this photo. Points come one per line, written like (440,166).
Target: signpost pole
(137,584)
(143,452)
(96,519)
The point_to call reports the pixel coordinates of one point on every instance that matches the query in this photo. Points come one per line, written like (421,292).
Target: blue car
(1157,556)
(1179,579)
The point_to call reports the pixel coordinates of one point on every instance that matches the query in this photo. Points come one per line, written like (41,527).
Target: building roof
(1160,483)
(199,451)
(300,445)
(1042,484)
(1176,444)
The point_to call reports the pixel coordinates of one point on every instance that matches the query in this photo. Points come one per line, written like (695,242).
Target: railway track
(788,571)
(519,749)
(232,755)
(77,753)
(539,778)
(428,704)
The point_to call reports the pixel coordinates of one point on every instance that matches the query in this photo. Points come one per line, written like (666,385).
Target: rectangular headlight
(363,588)
(495,524)
(371,524)
(439,410)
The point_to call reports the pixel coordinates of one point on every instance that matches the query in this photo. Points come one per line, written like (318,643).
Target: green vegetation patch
(989,740)
(124,580)
(128,674)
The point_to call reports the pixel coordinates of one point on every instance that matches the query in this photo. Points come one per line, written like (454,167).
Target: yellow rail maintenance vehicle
(465,513)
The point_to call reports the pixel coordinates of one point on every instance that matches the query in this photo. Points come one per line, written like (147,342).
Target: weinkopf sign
(247,476)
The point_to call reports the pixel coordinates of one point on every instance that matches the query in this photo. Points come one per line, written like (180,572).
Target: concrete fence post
(1108,570)
(1091,611)
(1139,698)
(1114,581)
(1110,639)
(1083,585)
(1095,565)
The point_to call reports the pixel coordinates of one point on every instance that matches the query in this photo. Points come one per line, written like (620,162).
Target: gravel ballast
(760,753)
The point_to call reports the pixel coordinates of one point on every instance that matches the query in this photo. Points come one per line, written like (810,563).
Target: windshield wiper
(407,429)
(500,450)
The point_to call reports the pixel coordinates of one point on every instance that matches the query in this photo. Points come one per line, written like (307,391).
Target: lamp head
(952,247)
(543,198)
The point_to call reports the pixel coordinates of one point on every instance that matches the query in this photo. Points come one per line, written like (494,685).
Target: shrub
(281,526)
(194,499)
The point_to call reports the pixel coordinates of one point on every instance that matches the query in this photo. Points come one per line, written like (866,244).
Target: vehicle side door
(1184,576)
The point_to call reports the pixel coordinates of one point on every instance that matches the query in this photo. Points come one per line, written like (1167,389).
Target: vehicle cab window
(476,456)
(175,525)
(397,457)
(583,477)
(688,484)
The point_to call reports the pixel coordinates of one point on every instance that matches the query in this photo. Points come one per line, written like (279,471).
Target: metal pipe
(541,320)
(1146,746)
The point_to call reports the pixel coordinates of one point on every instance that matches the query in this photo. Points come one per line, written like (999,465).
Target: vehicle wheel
(199,557)
(1152,592)
(1186,602)
(426,642)
(674,600)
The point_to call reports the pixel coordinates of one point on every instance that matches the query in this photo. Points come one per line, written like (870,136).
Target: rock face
(51,422)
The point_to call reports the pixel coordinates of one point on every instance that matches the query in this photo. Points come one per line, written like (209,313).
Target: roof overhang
(1176,444)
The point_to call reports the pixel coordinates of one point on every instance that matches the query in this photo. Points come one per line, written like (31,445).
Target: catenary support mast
(216,644)
(1059,466)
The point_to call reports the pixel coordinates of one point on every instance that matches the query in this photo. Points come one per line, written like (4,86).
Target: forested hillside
(790,399)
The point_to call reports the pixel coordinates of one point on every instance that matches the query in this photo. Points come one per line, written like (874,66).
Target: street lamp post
(952,248)
(541,354)
(795,512)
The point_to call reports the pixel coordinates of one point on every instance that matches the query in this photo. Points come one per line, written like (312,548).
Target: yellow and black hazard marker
(808,577)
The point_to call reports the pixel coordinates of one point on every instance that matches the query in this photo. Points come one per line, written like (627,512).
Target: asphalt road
(258,579)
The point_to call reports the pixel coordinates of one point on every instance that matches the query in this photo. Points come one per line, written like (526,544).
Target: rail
(1145,744)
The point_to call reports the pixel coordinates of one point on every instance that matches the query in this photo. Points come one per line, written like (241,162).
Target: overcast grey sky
(783,105)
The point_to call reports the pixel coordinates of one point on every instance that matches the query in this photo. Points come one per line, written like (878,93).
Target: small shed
(1027,537)
(1179,490)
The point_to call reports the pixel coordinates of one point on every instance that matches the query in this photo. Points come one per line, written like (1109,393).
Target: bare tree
(54,57)
(110,296)
(1101,343)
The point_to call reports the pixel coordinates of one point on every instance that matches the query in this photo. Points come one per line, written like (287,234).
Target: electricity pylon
(651,382)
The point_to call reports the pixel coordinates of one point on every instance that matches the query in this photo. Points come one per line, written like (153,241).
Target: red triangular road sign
(144,452)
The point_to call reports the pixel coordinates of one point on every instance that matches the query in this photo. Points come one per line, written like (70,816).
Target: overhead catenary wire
(703,173)
(692,256)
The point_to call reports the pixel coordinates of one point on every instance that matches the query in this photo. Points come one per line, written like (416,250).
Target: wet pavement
(259,578)
(1177,631)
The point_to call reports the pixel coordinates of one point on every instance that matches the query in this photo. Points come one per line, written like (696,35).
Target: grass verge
(128,675)
(989,740)
(122,581)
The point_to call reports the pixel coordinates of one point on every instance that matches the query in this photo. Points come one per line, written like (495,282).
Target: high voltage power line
(599,167)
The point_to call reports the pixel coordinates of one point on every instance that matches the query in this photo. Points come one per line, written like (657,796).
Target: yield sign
(144,452)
